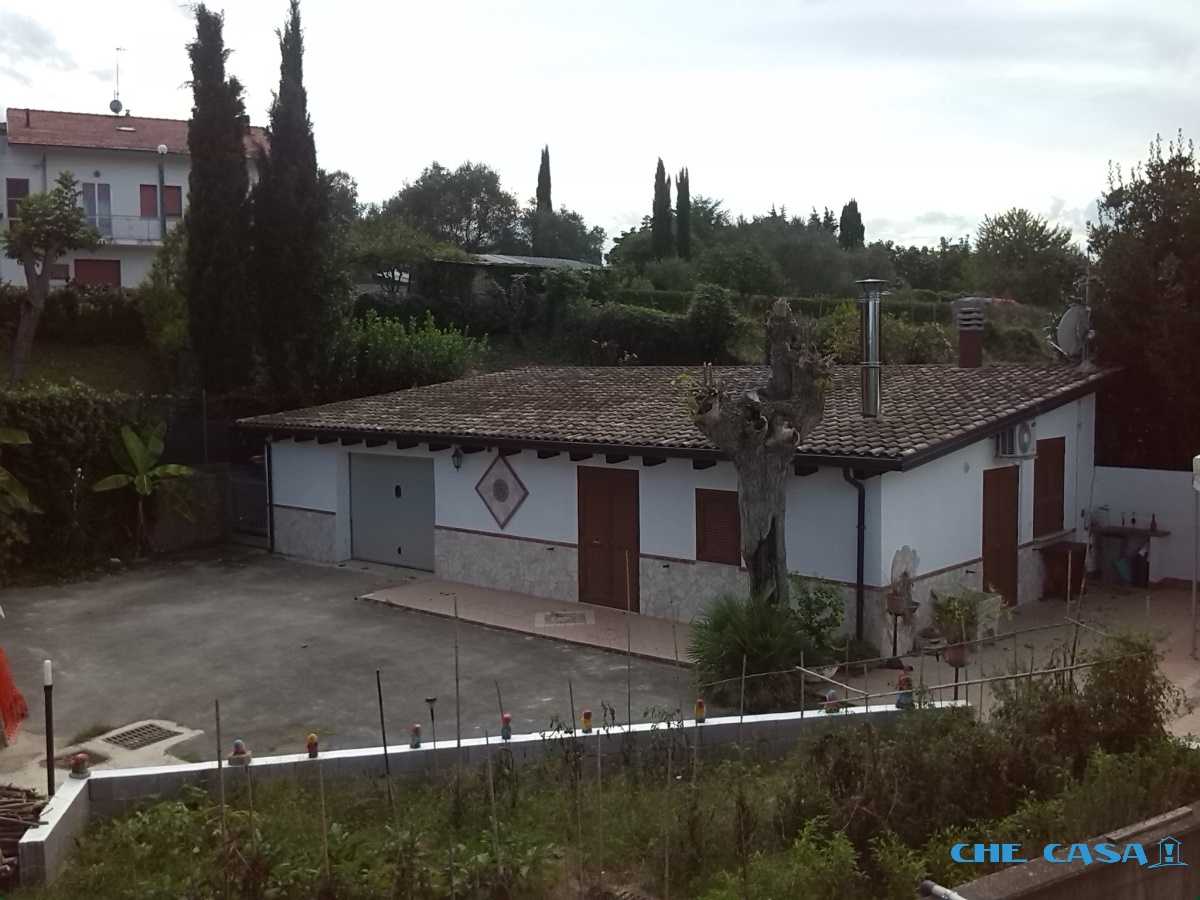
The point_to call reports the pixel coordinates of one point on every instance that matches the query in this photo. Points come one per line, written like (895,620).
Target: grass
(104,367)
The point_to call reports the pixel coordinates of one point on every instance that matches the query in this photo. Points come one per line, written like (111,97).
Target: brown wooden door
(608,537)
(1000,492)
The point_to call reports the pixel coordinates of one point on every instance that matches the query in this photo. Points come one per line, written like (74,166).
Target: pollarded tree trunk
(760,430)
(38,286)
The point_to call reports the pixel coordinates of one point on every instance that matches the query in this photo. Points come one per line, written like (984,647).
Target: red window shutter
(1049,483)
(15,190)
(98,271)
(173,200)
(60,272)
(718,529)
(148,194)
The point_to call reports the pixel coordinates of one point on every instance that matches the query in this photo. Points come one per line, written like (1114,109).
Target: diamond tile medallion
(501,490)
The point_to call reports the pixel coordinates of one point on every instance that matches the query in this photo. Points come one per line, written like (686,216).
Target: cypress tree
(851,234)
(544,204)
(660,218)
(291,219)
(543,215)
(683,215)
(219,299)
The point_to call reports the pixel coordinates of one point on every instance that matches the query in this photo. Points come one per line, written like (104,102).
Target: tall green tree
(220,300)
(1019,255)
(660,216)
(291,220)
(466,207)
(46,226)
(851,234)
(683,214)
(541,221)
(1146,295)
(544,203)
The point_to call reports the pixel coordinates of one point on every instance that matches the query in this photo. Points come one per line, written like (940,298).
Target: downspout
(270,500)
(862,550)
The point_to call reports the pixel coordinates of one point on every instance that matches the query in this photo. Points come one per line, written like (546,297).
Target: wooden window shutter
(1049,484)
(148,195)
(173,200)
(718,529)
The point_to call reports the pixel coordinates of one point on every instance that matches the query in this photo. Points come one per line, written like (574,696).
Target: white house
(133,174)
(593,484)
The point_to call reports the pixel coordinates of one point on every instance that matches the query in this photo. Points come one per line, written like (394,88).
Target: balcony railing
(130,229)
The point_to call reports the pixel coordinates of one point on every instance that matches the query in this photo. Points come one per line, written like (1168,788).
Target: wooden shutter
(148,194)
(16,190)
(1049,482)
(98,271)
(718,531)
(173,200)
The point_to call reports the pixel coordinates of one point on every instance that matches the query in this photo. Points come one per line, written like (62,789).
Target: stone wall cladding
(682,590)
(521,566)
(306,534)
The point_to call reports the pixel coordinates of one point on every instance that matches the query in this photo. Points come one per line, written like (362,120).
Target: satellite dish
(115,106)
(1072,331)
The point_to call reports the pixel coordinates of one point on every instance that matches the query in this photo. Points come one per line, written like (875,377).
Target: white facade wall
(134,239)
(936,508)
(1169,497)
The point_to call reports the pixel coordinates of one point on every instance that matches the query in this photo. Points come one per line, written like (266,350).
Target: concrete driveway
(287,649)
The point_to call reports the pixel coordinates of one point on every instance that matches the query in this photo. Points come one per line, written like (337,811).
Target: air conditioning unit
(1016,442)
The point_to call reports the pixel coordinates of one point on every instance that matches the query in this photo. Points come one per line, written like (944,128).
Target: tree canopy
(466,207)
(662,240)
(47,225)
(1019,255)
(851,234)
(220,309)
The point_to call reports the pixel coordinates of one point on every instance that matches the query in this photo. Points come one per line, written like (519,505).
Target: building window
(718,529)
(148,200)
(173,200)
(97,206)
(98,271)
(15,190)
(1049,481)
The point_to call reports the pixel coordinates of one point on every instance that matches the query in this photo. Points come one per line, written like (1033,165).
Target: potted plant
(956,617)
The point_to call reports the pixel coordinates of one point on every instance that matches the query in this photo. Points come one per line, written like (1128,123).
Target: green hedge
(80,314)
(667,301)
(71,429)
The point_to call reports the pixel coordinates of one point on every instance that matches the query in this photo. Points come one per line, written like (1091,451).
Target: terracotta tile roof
(48,128)
(927,410)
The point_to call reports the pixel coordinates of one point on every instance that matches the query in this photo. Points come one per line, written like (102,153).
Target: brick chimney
(968,314)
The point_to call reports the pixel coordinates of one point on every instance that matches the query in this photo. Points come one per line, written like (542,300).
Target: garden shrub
(616,332)
(374,355)
(70,428)
(820,863)
(667,301)
(903,342)
(670,274)
(80,314)
(711,323)
(163,307)
(820,610)
(771,638)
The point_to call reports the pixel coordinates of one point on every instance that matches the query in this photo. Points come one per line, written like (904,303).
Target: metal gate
(392,510)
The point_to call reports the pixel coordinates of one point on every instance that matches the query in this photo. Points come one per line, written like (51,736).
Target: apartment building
(133,176)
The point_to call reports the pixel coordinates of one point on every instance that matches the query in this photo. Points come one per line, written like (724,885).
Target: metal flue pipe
(872,288)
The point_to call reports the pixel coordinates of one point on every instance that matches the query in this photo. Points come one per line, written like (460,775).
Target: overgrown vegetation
(858,812)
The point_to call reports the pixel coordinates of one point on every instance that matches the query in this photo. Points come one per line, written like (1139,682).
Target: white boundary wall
(1166,495)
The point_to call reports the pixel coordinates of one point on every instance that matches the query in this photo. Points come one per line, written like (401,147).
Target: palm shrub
(138,456)
(771,639)
(14,498)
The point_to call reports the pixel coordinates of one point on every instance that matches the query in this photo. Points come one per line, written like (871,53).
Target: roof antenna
(115,105)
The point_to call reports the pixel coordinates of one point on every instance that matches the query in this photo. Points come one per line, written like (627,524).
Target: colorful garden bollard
(241,755)
(79,765)
(311,744)
(586,721)
(700,712)
(506,726)
(415,736)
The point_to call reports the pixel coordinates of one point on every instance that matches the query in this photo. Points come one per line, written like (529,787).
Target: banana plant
(13,495)
(138,456)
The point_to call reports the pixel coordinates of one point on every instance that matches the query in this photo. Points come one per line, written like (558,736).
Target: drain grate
(140,736)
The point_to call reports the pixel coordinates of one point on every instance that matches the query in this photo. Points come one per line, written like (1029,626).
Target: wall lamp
(456,457)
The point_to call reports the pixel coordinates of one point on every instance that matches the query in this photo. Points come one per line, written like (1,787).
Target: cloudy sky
(932,114)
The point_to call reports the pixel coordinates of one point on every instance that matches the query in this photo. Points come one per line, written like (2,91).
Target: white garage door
(391,510)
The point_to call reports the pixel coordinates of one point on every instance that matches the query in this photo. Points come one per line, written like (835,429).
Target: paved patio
(577,623)
(288,648)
